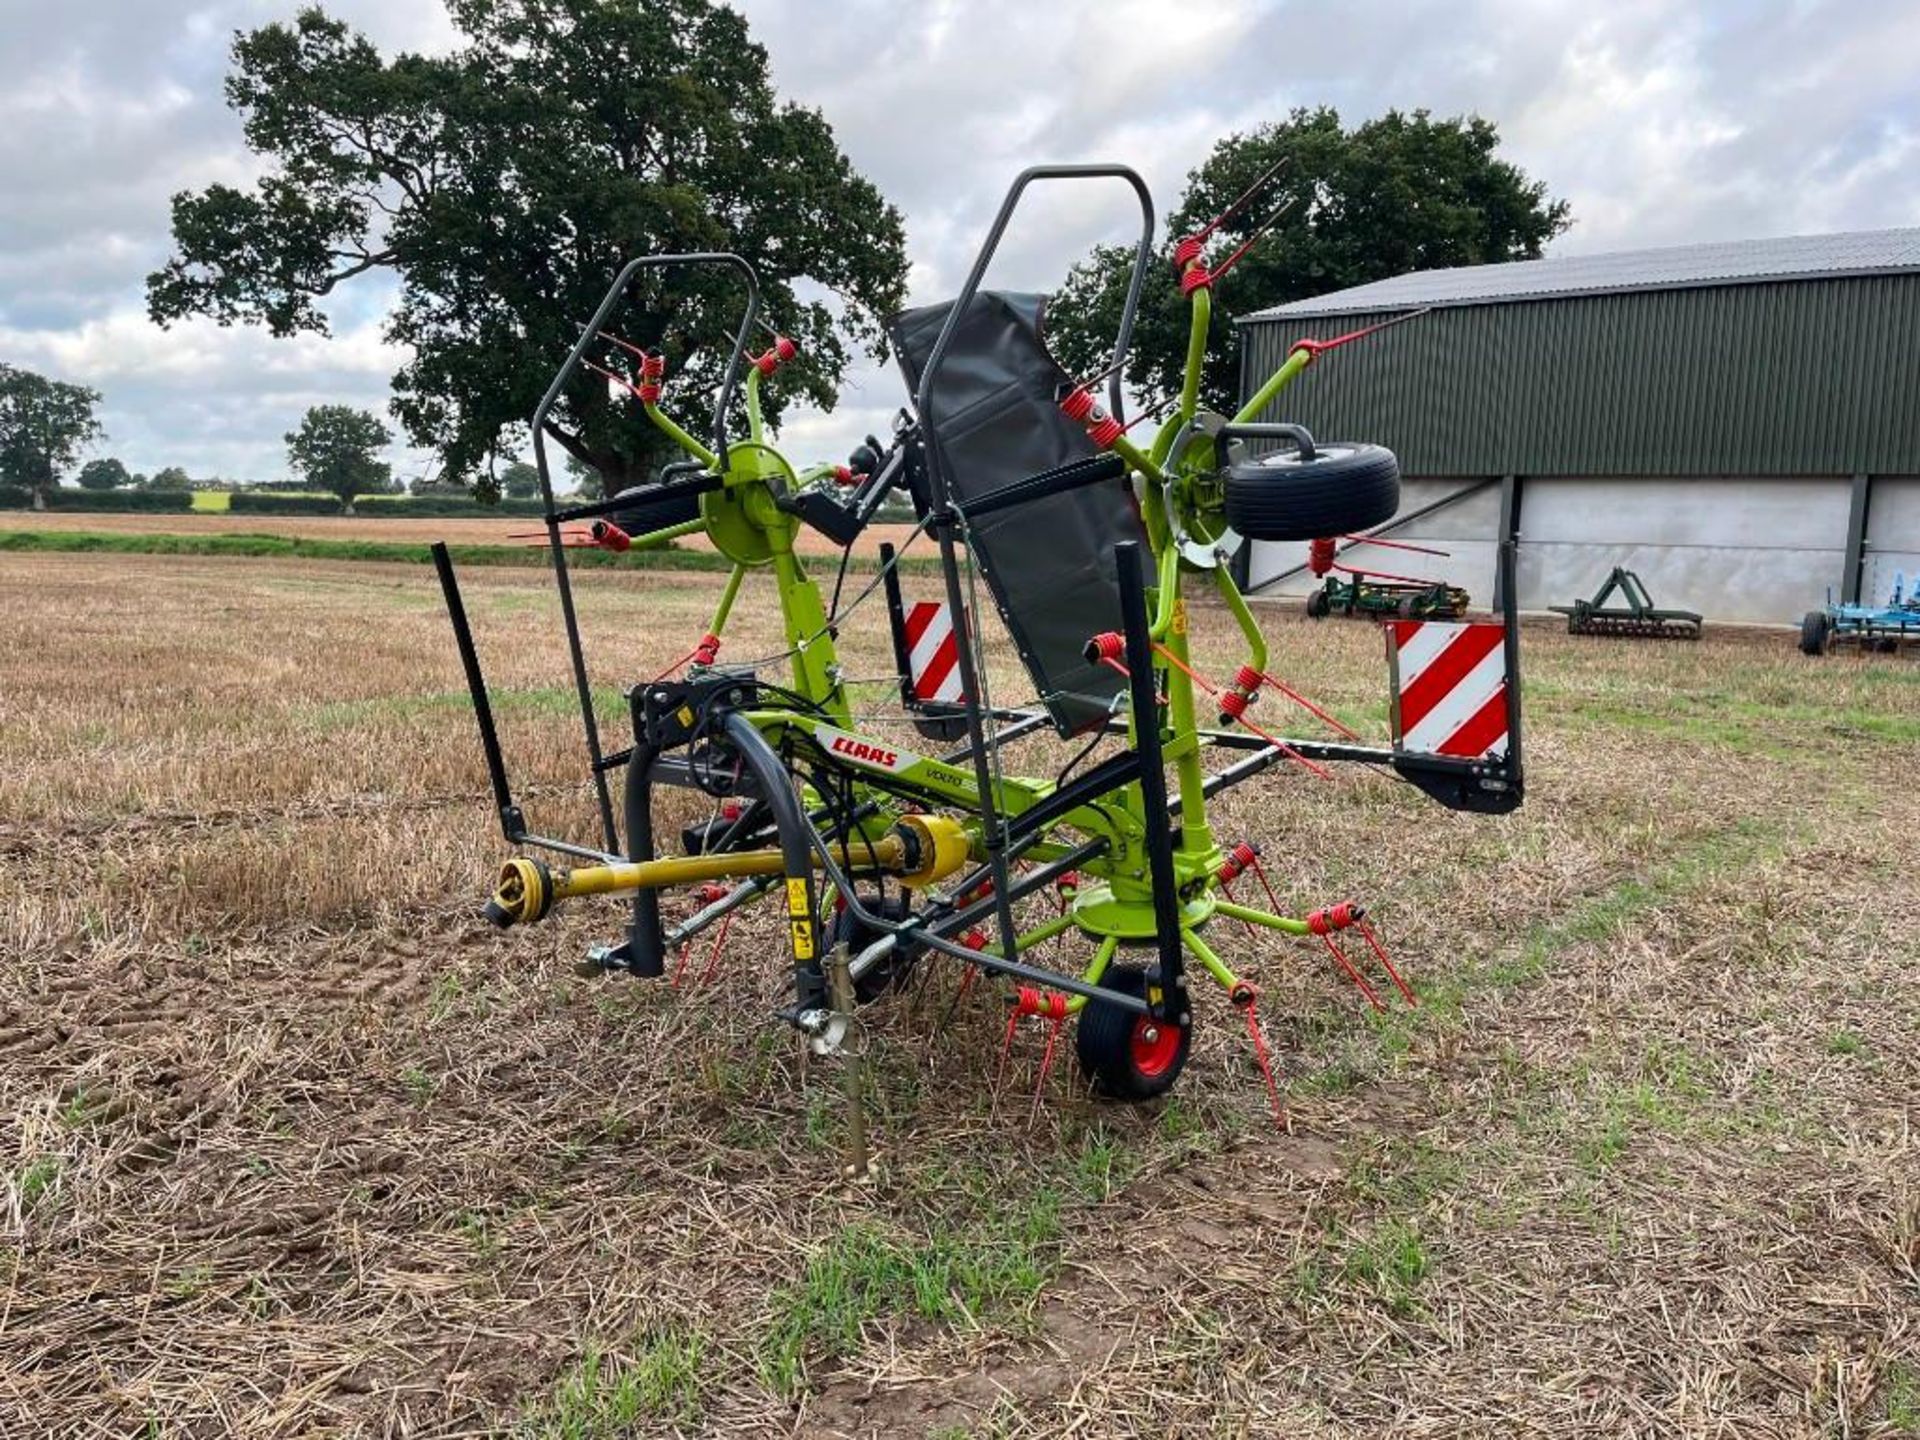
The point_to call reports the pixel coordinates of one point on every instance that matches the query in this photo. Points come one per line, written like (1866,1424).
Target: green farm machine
(1090,894)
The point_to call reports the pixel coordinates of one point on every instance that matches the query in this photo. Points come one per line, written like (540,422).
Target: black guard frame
(947,521)
(512,820)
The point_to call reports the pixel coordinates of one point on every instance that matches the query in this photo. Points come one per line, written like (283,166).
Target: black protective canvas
(1048,562)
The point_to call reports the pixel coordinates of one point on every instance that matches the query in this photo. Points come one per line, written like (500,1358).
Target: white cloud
(1662,121)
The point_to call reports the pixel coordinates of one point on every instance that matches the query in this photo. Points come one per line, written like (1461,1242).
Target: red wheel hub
(1155,1045)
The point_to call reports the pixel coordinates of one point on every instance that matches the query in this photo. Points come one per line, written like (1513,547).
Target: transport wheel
(891,973)
(1318,605)
(1129,1056)
(1346,486)
(1813,633)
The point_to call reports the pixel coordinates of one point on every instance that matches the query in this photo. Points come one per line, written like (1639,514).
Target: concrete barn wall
(1732,549)
(1465,529)
(1893,538)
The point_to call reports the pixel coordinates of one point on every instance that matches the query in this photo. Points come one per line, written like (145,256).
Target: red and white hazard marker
(1450,687)
(933,652)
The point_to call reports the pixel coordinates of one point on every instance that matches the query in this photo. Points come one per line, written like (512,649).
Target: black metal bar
(797,837)
(1144,697)
(1038,975)
(992,831)
(591,331)
(920,935)
(1023,723)
(1261,430)
(1510,613)
(946,516)
(1060,479)
(589,722)
(1859,502)
(1511,494)
(897,622)
(961,918)
(512,823)
(1110,774)
(640,495)
(567,847)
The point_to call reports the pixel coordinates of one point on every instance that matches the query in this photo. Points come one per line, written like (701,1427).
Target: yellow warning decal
(685,715)
(803,939)
(1179,617)
(796,895)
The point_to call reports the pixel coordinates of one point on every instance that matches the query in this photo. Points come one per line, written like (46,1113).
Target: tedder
(878,856)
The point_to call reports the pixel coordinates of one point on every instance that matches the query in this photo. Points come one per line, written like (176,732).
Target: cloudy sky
(1662,121)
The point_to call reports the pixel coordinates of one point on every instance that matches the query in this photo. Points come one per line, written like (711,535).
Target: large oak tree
(498,190)
(336,449)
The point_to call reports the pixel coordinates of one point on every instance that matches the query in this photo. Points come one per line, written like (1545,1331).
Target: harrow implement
(1640,617)
(1084,545)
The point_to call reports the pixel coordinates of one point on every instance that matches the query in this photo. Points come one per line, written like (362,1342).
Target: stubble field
(292,1144)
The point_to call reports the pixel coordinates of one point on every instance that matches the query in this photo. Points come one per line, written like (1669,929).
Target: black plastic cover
(1049,562)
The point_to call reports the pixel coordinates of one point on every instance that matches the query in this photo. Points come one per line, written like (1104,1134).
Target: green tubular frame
(1175,481)
(746,523)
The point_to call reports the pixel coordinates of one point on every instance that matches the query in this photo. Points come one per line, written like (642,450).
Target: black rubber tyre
(645,515)
(891,973)
(1129,1056)
(1813,633)
(1347,486)
(1318,606)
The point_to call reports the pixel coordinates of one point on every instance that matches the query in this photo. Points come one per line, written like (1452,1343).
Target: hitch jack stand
(856,1166)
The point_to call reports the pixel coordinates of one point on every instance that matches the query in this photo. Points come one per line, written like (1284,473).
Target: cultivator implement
(885,846)
(1885,628)
(1640,617)
(1377,593)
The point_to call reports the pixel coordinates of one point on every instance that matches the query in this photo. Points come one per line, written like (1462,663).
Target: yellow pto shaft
(920,850)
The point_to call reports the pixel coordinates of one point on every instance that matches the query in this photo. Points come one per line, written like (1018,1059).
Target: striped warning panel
(933,652)
(1450,687)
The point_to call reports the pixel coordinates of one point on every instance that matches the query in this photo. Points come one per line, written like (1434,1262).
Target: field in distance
(458,530)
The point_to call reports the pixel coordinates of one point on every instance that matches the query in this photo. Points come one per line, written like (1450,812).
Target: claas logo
(861,750)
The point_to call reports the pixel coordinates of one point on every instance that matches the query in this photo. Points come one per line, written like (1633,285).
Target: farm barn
(1738,423)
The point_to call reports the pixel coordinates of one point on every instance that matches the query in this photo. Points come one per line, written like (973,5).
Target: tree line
(45,425)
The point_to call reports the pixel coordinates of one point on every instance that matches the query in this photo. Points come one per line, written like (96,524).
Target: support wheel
(890,974)
(1318,605)
(1129,1056)
(1346,486)
(1813,633)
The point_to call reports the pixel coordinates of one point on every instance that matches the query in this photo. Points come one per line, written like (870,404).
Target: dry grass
(290,1144)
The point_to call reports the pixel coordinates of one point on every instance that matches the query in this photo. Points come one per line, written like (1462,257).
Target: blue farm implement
(1872,627)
